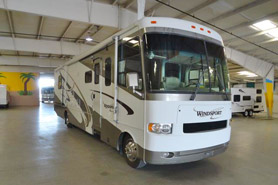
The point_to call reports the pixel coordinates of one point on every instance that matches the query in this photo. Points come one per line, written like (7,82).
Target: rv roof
(178,24)
(152,22)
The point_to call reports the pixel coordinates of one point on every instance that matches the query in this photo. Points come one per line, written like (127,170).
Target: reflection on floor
(37,148)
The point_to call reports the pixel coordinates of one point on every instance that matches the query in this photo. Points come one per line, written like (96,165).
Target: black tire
(69,125)
(7,106)
(250,113)
(246,113)
(130,150)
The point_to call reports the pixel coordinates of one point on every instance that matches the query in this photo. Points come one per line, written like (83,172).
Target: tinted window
(88,77)
(129,61)
(108,72)
(259,91)
(259,99)
(169,60)
(236,98)
(97,72)
(246,98)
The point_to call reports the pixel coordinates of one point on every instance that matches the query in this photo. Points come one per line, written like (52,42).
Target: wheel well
(121,140)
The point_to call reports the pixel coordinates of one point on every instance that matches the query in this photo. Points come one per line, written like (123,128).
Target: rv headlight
(160,128)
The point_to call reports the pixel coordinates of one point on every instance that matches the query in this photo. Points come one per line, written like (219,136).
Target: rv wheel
(130,150)
(69,125)
(246,113)
(251,113)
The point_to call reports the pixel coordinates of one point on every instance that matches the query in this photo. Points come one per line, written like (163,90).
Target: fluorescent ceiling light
(89,39)
(130,41)
(247,74)
(264,25)
(273,32)
(126,38)
(269,28)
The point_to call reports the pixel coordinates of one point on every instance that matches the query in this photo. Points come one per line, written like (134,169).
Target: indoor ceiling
(236,16)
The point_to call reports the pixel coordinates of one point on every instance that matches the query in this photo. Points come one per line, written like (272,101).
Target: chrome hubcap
(131,151)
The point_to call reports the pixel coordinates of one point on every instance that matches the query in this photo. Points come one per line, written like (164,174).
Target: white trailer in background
(247,101)
(4,96)
(157,91)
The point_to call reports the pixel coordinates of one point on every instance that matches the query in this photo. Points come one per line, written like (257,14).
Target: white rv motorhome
(247,101)
(161,96)
(47,94)
(4,96)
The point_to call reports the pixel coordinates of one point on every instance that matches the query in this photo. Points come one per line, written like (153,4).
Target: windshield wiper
(193,96)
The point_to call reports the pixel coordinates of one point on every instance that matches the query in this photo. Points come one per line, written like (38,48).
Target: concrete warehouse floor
(36,148)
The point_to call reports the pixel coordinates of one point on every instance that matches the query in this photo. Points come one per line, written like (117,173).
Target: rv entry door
(97,94)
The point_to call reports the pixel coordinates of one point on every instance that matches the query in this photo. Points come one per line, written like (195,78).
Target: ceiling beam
(248,23)
(115,2)
(255,65)
(258,33)
(66,30)
(84,33)
(196,8)
(75,10)
(238,10)
(42,46)
(129,4)
(150,11)
(30,61)
(40,27)
(11,24)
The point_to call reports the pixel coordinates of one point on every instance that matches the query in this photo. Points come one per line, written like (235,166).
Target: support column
(141,9)
(268,88)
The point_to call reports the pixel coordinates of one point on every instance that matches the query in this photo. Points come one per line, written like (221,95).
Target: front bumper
(184,156)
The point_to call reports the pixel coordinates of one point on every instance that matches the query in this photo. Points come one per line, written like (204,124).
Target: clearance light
(160,128)
(193,27)
(209,31)
(247,74)
(202,29)
(153,22)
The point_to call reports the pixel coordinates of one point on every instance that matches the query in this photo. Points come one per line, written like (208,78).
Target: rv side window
(236,98)
(108,72)
(60,82)
(88,77)
(259,99)
(246,98)
(130,61)
(259,91)
(97,73)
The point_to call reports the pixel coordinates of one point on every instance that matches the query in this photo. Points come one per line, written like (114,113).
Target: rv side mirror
(132,80)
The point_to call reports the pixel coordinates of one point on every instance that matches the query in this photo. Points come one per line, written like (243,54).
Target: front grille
(207,126)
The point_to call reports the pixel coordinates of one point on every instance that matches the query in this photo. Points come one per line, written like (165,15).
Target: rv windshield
(176,63)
